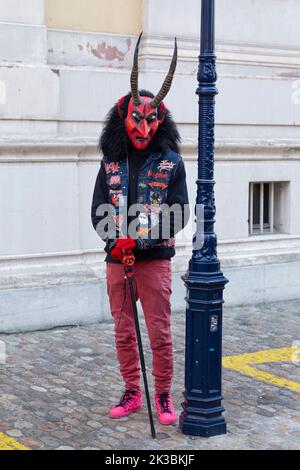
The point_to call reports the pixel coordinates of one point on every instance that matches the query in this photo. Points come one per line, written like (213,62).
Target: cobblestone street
(57,387)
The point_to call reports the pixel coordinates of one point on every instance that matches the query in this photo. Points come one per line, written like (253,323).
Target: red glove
(122,245)
(125,243)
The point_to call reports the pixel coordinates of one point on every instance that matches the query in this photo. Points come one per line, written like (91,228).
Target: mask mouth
(141,139)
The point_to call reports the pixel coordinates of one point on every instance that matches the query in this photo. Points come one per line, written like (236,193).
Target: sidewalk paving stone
(57,387)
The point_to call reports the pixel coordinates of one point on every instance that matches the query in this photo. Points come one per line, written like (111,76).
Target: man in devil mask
(141,165)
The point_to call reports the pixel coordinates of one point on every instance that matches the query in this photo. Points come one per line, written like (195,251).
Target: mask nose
(143,129)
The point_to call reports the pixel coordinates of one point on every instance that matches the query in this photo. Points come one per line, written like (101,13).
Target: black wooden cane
(128,262)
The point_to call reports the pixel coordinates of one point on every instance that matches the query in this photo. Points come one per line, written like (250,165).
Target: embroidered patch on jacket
(116,196)
(115,199)
(155,197)
(158,175)
(143,219)
(157,184)
(143,232)
(154,219)
(112,167)
(115,180)
(155,208)
(143,228)
(166,165)
(118,220)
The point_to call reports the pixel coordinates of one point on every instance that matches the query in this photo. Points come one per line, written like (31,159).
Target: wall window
(268,207)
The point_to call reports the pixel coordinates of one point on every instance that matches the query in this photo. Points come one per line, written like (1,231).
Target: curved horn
(168,81)
(134,75)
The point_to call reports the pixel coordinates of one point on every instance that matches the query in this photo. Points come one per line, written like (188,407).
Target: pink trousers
(152,284)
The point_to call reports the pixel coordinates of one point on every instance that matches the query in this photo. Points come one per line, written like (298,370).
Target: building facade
(63,63)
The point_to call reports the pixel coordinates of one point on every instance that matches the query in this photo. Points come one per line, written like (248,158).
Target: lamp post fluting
(202,407)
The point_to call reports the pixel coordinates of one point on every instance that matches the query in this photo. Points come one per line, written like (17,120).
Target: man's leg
(125,336)
(153,279)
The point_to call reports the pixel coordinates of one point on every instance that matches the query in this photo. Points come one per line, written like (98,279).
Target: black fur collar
(115,144)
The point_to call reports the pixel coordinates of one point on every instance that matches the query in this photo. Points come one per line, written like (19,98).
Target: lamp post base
(202,417)
(191,428)
(202,406)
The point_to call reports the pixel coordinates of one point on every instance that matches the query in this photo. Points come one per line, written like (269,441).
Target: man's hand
(121,246)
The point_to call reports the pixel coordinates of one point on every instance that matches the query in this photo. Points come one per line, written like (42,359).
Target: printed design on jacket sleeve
(166,165)
(112,167)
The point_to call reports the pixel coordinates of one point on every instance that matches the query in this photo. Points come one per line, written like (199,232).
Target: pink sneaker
(165,408)
(130,402)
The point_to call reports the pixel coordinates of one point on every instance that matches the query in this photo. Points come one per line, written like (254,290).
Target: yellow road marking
(241,363)
(8,443)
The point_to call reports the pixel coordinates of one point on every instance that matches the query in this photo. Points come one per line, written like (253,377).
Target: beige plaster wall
(107,16)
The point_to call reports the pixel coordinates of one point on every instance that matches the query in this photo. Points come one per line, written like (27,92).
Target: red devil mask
(145,114)
(142,122)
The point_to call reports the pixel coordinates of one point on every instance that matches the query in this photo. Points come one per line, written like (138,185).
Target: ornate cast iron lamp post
(202,408)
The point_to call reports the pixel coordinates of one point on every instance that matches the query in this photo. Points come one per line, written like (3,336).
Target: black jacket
(159,182)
